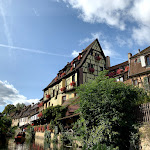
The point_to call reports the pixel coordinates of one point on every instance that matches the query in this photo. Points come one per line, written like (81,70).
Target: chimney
(129,56)
(107,62)
(67,63)
(139,50)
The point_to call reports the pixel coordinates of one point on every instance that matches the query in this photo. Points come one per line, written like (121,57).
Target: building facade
(83,68)
(135,71)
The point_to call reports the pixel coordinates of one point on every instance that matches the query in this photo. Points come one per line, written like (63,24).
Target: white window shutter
(143,61)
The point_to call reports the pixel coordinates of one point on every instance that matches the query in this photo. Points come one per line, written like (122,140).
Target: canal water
(38,144)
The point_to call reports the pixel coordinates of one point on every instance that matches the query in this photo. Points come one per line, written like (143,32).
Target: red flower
(126,68)
(79,57)
(119,71)
(91,70)
(72,62)
(40,105)
(48,96)
(72,68)
(97,58)
(56,78)
(40,114)
(111,74)
(72,83)
(63,74)
(63,89)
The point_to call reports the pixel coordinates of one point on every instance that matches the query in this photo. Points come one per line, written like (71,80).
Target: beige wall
(15,122)
(64,83)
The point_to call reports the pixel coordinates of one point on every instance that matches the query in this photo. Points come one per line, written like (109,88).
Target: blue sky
(39,37)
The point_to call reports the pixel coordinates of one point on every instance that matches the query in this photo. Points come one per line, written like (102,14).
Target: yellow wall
(64,83)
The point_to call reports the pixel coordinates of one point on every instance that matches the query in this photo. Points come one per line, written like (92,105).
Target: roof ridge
(78,65)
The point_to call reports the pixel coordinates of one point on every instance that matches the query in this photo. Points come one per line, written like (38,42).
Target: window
(148,60)
(96,54)
(63,99)
(46,105)
(90,65)
(119,79)
(101,68)
(73,78)
(49,103)
(135,82)
(53,93)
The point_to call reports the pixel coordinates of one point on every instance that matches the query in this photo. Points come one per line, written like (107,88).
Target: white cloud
(9,94)
(101,11)
(141,35)
(133,15)
(75,53)
(140,12)
(124,42)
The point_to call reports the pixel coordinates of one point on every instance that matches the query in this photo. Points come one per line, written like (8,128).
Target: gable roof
(79,63)
(118,65)
(142,52)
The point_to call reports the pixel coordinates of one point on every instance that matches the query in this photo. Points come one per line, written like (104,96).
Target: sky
(39,37)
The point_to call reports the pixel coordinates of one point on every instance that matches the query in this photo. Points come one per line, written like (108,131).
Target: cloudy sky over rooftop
(39,37)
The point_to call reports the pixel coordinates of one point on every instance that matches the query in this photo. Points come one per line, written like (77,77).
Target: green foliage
(99,147)
(9,109)
(107,111)
(47,136)
(52,114)
(20,106)
(5,123)
(12,129)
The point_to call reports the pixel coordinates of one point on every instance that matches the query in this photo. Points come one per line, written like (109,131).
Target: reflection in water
(38,144)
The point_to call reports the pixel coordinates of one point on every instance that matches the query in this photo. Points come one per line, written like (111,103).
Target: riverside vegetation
(107,116)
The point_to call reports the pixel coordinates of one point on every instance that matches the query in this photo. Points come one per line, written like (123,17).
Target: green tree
(52,114)
(20,106)
(5,123)
(107,112)
(9,109)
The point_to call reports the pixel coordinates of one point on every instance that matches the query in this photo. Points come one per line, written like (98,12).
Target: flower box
(72,62)
(63,89)
(97,58)
(126,68)
(40,105)
(63,74)
(56,78)
(91,70)
(119,71)
(48,96)
(111,74)
(72,83)
(40,114)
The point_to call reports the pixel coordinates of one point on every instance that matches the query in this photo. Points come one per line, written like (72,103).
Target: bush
(107,112)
